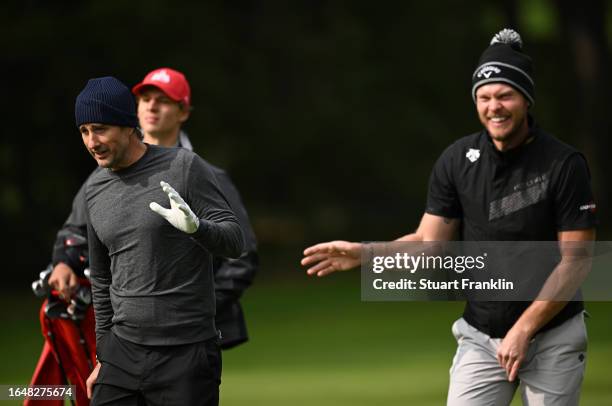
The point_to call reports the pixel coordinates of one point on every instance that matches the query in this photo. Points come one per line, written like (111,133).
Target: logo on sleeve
(473,154)
(592,207)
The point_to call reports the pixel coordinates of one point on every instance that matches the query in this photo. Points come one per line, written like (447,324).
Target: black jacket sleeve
(233,276)
(219,231)
(75,224)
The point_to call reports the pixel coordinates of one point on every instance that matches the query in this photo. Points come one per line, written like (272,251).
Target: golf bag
(69,351)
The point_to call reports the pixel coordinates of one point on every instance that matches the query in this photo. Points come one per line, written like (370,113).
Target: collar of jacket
(184,142)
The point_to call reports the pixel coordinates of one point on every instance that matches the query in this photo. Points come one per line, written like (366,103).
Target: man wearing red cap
(164,104)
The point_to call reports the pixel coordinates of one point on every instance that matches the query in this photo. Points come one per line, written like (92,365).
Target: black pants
(133,374)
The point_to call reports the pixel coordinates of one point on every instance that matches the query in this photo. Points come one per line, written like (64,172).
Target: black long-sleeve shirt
(152,283)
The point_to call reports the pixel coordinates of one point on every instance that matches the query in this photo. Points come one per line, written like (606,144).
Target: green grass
(315,343)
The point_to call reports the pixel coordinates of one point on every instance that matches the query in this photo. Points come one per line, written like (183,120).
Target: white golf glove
(179,214)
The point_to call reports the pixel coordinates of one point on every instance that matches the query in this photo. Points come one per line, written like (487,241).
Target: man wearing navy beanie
(107,105)
(106,100)
(151,267)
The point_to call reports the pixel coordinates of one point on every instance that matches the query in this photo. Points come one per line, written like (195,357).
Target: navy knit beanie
(106,101)
(504,61)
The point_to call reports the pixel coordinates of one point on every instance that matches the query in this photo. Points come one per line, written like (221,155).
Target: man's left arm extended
(561,284)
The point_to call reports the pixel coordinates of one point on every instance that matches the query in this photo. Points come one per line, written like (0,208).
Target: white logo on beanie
(487,71)
(473,154)
(161,76)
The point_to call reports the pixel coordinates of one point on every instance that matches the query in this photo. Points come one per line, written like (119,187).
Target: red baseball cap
(169,81)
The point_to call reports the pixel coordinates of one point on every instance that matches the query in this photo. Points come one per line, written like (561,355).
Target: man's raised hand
(179,214)
(333,256)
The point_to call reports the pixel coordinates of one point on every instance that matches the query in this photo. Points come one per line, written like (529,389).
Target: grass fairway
(315,343)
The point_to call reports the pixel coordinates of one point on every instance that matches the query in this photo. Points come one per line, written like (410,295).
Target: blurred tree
(584,32)
(328,114)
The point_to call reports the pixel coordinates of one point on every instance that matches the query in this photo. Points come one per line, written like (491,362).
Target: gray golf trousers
(551,374)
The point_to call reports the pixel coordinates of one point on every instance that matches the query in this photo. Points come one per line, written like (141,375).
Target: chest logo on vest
(473,154)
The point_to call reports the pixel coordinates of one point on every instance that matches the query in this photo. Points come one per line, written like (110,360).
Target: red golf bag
(69,352)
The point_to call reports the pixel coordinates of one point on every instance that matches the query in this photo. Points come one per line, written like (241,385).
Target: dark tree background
(328,114)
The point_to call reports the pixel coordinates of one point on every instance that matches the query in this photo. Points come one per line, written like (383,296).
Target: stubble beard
(509,135)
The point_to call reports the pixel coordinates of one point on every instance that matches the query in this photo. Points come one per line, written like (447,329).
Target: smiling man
(511,181)
(503,112)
